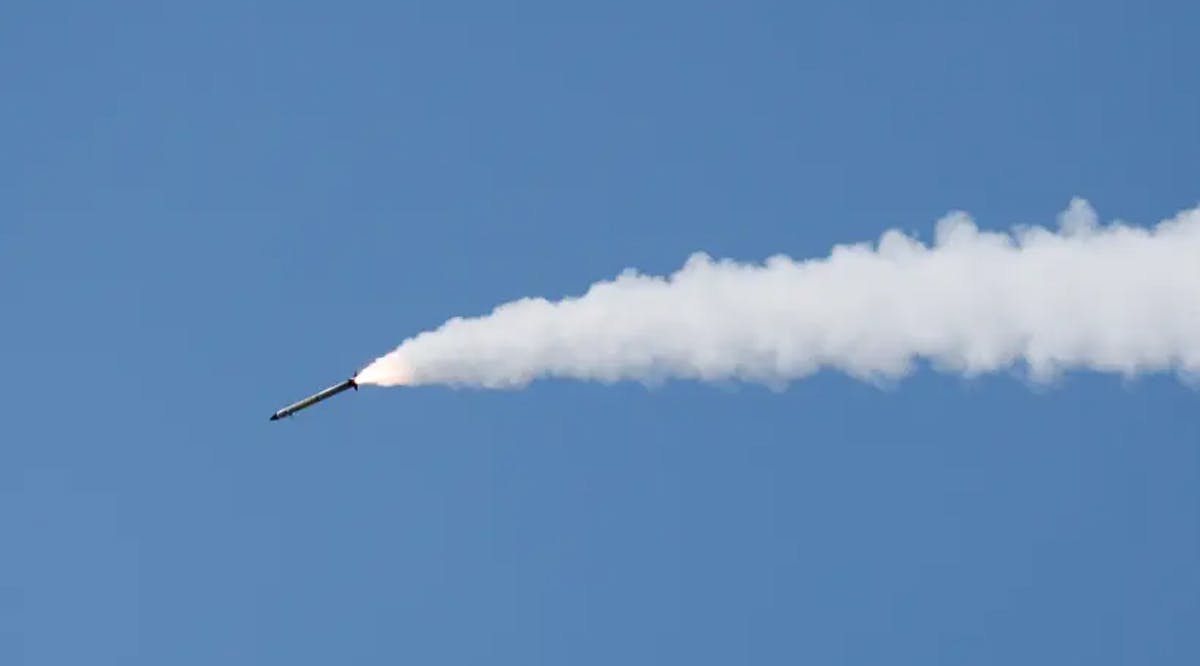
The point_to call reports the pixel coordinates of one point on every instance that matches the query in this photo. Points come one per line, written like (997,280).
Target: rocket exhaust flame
(1114,298)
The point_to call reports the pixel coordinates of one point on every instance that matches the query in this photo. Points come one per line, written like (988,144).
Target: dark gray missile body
(315,398)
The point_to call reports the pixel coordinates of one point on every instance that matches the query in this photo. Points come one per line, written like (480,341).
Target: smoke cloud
(1112,298)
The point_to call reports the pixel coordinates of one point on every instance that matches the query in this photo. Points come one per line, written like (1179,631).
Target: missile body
(315,398)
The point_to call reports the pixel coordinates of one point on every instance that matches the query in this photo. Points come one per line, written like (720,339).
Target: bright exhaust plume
(1112,298)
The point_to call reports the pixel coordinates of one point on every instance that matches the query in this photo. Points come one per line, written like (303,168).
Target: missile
(315,398)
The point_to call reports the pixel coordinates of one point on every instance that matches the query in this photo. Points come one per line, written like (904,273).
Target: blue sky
(209,210)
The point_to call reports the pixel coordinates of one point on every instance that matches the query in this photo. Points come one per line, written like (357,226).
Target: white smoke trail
(1106,298)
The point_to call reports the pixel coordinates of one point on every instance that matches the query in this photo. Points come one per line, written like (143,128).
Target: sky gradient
(209,211)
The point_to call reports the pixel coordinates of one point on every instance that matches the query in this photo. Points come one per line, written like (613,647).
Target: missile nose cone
(275,417)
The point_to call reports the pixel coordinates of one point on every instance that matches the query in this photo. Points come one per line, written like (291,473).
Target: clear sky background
(211,209)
